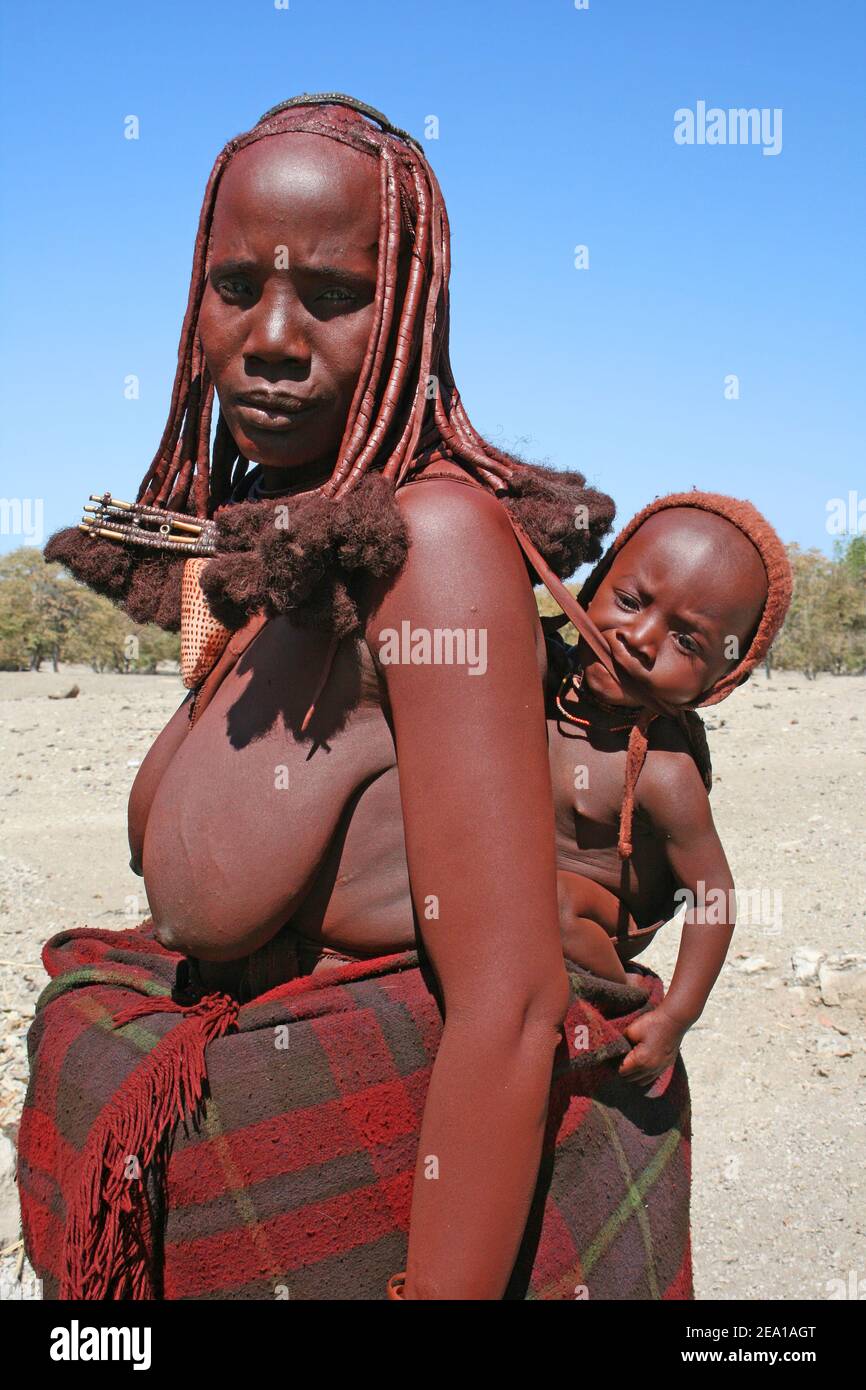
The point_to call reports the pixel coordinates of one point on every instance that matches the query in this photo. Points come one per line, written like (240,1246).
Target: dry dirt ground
(777,1068)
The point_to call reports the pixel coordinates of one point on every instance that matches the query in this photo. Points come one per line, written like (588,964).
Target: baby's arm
(673,795)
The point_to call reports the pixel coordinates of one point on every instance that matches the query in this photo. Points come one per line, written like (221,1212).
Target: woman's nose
(276,328)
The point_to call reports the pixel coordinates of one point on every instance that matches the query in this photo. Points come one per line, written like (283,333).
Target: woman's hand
(656,1037)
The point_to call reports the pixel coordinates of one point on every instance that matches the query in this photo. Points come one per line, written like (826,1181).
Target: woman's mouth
(273,417)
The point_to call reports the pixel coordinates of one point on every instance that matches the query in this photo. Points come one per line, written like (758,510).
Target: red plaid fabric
(286,1171)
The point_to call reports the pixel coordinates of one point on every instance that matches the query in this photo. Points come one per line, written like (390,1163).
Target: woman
(325,795)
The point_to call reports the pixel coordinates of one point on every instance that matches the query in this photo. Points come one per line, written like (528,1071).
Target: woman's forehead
(297,179)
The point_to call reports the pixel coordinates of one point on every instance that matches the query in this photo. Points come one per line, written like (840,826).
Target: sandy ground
(777,1070)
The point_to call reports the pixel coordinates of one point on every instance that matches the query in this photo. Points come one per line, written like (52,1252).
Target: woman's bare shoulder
(462,557)
(464,569)
(434,495)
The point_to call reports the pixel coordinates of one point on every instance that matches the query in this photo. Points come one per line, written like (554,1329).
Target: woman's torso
(252,829)
(246,827)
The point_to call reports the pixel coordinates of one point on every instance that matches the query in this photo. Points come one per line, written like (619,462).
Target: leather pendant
(202,637)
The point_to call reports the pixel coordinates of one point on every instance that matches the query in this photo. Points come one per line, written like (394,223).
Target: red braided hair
(394,417)
(405,413)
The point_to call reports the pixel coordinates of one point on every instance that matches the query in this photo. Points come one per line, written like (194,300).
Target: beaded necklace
(257,493)
(573,682)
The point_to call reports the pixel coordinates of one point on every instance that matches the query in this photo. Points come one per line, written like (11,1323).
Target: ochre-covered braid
(406,414)
(406,404)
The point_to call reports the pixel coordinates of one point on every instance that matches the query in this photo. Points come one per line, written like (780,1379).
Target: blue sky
(555,130)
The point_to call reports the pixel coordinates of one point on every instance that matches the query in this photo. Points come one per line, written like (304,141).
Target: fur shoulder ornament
(306,556)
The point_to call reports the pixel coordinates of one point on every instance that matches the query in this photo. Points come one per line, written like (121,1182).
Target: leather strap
(234,650)
(567,602)
(557,590)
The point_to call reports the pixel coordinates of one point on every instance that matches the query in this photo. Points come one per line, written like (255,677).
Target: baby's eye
(687,643)
(626,601)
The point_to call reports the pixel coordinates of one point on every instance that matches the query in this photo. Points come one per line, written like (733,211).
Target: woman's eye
(234,288)
(336,292)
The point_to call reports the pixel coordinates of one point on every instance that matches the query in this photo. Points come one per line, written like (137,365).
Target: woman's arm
(478,815)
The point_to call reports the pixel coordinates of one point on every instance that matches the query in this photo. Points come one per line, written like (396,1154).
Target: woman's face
(289,300)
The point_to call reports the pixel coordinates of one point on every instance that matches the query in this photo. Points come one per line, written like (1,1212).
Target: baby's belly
(643,886)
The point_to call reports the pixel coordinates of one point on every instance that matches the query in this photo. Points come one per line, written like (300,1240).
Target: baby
(688,598)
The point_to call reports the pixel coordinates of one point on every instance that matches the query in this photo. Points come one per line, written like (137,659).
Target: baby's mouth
(616,689)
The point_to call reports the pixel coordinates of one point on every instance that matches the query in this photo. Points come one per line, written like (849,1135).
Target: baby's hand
(657,1039)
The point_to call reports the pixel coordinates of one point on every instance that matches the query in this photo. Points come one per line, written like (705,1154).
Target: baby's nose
(640,639)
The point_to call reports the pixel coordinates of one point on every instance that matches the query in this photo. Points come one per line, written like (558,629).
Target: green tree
(45,614)
(851,551)
(98,636)
(38,609)
(826,625)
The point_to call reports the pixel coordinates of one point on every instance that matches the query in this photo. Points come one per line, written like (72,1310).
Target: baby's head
(689,598)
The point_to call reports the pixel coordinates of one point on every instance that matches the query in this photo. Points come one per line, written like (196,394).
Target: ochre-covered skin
(343,878)
(351,887)
(228,858)
(300,330)
(420,800)
(229,854)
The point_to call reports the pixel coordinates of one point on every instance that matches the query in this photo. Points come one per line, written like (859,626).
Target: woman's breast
(247,808)
(361,897)
(147,780)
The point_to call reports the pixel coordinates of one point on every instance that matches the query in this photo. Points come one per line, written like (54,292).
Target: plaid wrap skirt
(174,1146)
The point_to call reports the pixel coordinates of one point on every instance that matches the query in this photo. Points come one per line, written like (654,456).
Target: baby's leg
(588,917)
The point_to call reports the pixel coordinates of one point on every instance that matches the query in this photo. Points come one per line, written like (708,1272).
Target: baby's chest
(588,783)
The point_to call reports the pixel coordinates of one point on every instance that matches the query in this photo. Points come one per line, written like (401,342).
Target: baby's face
(678,608)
